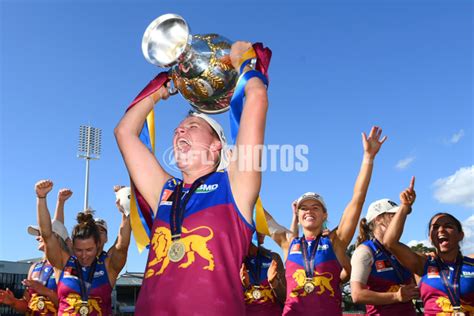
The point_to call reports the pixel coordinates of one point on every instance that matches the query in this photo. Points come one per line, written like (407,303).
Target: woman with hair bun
(86,278)
(446,284)
(378,279)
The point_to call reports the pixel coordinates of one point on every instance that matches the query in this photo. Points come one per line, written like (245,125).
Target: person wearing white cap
(314,262)
(40,297)
(212,202)
(378,279)
(86,278)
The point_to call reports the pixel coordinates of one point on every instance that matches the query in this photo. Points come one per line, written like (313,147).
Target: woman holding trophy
(202,221)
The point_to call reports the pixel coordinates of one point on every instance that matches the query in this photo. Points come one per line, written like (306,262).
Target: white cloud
(415,242)
(467,245)
(457,137)
(457,188)
(404,163)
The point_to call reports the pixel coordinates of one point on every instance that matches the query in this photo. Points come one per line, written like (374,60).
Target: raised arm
(347,226)
(411,260)
(63,196)
(144,169)
(294,221)
(244,169)
(55,255)
(281,235)
(117,254)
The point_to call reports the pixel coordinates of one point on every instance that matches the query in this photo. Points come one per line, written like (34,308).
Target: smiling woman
(446,284)
(86,278)
(314,262)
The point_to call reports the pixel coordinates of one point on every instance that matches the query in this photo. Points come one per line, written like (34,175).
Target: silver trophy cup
(201,69)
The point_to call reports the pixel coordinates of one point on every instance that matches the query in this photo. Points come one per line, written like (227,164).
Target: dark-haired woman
(377,279)
(447,280)
(85,279)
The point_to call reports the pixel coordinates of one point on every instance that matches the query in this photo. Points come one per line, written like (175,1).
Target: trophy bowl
(201,69)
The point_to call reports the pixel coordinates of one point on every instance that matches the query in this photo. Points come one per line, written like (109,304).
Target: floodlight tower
(89,149)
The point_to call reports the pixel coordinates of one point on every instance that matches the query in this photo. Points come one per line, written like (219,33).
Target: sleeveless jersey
(385,278)
(434,293)
(42,272)
(100,293)
(267,304)
(326,297)
(216,238)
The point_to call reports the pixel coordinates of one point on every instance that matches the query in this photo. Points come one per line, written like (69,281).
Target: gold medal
(458,312)
(40,305)
(176,251)
(308,286)
(256,293)
(84,310)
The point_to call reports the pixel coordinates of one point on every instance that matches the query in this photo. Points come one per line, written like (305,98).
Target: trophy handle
(172,90)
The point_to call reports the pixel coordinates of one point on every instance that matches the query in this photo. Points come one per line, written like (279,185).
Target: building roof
(130,279)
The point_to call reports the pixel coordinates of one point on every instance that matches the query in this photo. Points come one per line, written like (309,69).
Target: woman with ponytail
(446,284)
(86,278)
(378,280)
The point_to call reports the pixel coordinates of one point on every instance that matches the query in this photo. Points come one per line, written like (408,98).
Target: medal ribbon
(453,288)
(255,270)
(85,287)
(178,209)
(309,262)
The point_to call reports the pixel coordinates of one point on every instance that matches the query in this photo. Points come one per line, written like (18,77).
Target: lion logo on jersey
(322,280)
(48,307)
(266,295)
(393,288)
(445,304)
(194,244)
(74,301)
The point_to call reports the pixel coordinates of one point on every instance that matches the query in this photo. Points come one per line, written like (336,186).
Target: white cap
(311,196)
(57,227)
(224,159)
(380,207)
(100,222)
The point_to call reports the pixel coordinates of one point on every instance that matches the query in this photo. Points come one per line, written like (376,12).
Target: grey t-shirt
(361,261)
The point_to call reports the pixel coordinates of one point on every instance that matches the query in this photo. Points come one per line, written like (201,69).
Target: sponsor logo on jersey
(206,188)
(433,272)
(296,248)
(468,274)
(383,265)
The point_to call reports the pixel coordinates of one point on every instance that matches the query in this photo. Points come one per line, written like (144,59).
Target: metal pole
(86,195)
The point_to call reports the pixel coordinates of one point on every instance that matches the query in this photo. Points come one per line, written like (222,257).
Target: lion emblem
(445,305)
(267,295)
(322,280)
(393,288)
(194,244)
(49,307)
(74,301)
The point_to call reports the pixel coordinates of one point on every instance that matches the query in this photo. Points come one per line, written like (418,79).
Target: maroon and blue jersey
(386,275)
(206,281)
(434,293)
(267,304)
(42,272)
(99,299)
(327,297)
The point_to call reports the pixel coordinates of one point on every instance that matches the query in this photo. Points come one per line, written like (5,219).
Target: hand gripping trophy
(201,69)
